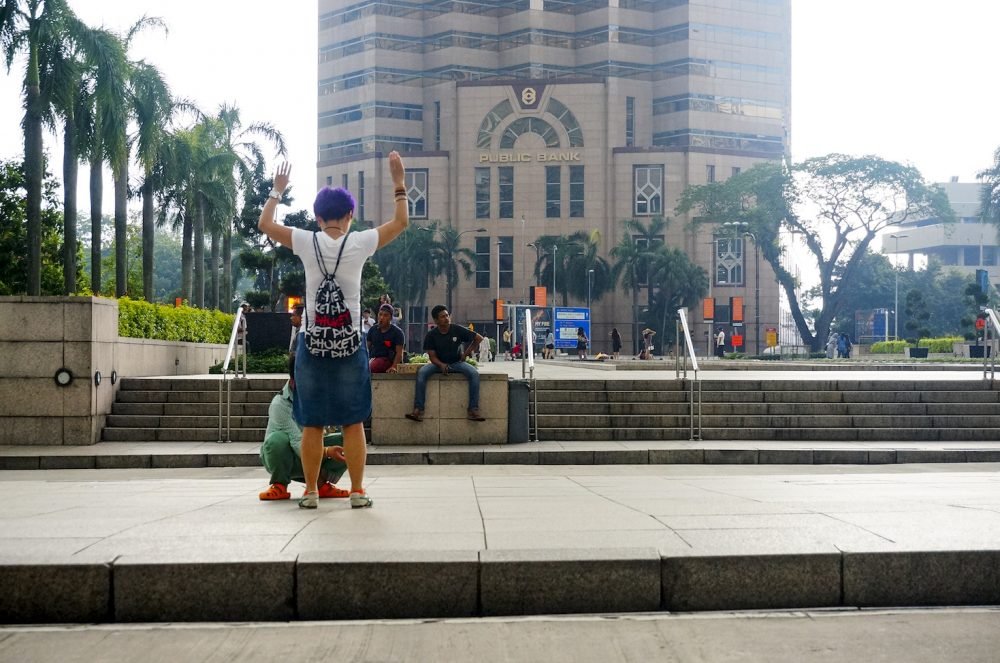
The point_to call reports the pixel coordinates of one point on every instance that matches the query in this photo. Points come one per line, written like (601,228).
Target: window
(437,125)
(648,190)
(526,125)
(506,192)
(483,193)
(576,192)
(506,251)
(989,256)
(629,121)
(971,256)
(483,254)
(729,261)
(416,193)
(553,192)
(710,174)
(343,180)
(329,180)
(736,170)
(361,195)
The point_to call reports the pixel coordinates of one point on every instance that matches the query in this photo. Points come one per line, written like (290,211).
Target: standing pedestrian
(331,363)
(616,342)
(581,343)
(831,344)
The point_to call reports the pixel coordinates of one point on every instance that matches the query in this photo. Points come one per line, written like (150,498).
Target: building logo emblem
(528,96)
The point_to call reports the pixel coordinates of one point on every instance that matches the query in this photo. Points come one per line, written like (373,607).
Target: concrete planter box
(445,421)
(41,335)
(917,353)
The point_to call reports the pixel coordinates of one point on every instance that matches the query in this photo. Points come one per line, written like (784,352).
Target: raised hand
(396,169)
(282,176)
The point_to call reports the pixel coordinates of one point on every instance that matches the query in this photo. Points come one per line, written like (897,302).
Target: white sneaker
(309,500)
(361,501)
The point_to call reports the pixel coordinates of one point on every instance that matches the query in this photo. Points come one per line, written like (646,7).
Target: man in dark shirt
(447,346)
(385,343)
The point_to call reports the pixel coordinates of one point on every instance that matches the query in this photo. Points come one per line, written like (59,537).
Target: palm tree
(676,282)
(578,279)
(238,145)
(405,266)
(154,109)
(25,25)
(555,254)
(448,257)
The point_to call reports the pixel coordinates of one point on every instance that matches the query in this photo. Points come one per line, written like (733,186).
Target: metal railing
(990,336)
(226,383)
(680,363)
(528,361)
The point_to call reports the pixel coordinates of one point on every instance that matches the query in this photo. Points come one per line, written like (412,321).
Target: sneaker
(361,501)
(277,491)
(329,490)
(309,501)
(475,415)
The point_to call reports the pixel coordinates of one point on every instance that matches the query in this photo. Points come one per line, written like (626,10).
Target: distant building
(964,246)
(548,117)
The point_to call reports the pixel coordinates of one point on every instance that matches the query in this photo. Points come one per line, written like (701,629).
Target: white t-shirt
(361,245)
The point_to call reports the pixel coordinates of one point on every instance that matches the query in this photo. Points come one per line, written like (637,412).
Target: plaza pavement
(548,536)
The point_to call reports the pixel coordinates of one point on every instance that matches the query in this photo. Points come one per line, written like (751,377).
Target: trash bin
(518,404)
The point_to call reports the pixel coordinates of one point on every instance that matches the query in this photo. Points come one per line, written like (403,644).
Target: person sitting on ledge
(447,346)
(281,452)
(385,343)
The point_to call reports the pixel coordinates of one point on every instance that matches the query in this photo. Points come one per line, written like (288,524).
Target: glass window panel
(506,180)
(483,193)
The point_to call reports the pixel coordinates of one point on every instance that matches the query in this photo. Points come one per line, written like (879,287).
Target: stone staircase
(778,410)
(187,410)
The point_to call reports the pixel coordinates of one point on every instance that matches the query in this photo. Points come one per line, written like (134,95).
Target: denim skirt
(331,392)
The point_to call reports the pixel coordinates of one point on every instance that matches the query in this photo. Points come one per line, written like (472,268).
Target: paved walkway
(443,541)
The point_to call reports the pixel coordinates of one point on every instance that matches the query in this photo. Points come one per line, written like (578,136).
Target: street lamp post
(895,309)
(554,249)
(499,245)
(590,275)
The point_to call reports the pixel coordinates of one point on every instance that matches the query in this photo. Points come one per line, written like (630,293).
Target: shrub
(140,319)
(274,360)
(942,344)
(889,347)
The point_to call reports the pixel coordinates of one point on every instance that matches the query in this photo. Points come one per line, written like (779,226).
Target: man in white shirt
(367,322)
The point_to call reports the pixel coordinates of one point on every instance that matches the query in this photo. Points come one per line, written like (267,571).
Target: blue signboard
(567,321)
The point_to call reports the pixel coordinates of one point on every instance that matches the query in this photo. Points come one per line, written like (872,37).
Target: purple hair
(333,204)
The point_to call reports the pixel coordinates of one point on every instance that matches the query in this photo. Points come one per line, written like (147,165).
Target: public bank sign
(528,157)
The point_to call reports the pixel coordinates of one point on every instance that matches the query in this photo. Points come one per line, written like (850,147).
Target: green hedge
(889,347)
(140,319)
(274,360)
(942,344)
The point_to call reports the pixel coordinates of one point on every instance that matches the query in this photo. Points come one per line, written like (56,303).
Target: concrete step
(189,409)
(147,421)
(783,409)
(551,396)
(180,434)
(854,434)
(768,385)
(201,384)
(136,396)
(608,434)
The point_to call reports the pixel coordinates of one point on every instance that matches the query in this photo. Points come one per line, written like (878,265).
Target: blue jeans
(426,371)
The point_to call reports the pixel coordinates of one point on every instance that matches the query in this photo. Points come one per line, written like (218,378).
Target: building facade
(532,118)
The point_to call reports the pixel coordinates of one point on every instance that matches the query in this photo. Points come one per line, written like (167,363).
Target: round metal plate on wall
(63,377)
(97,379)
(114,377)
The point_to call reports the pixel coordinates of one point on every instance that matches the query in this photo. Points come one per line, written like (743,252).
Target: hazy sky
(909,80)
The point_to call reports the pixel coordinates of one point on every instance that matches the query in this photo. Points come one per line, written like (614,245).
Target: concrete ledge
(445,410)
(530,582)
(751,582)
(146,590)
(55,593)
(922,578)
(387,585)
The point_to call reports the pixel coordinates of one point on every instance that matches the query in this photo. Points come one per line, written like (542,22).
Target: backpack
(332,333)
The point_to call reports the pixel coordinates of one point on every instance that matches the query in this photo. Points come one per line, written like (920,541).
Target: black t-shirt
(384,345)
(448,346)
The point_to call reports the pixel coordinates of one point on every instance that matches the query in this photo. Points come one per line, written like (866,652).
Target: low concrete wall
(445,410)
(40,335)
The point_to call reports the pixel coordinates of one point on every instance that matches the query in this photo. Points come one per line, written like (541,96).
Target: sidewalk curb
(487,583)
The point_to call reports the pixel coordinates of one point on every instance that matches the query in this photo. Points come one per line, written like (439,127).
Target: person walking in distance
(720,343)
(331,362)
(616,343)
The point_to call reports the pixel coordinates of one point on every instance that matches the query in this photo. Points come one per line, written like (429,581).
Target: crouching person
(447,346)
(281,452)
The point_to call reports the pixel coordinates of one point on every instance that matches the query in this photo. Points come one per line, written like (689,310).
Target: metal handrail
(528,357)
(225,381)
(990,362)
(695,431)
